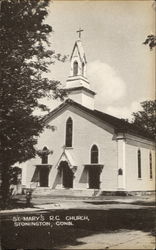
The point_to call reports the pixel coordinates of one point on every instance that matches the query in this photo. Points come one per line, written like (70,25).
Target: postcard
(77,133)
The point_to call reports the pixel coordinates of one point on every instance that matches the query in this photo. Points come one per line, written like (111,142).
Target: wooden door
(44,175)
(67,176)
(94,177)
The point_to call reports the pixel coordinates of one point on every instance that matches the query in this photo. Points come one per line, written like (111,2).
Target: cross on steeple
(79,31)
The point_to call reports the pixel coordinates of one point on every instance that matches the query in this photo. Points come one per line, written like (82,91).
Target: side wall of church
(133,183)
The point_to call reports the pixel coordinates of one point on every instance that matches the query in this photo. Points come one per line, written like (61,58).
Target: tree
(146,118)
(151,41)
(25,56)
(15,175)
(14,179)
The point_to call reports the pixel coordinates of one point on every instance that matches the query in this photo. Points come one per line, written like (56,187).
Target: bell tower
(77,84)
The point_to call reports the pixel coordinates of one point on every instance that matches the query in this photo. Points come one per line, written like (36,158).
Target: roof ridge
(99,111)
(119,124)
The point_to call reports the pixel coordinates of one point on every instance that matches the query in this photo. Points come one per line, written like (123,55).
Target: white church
(89,152)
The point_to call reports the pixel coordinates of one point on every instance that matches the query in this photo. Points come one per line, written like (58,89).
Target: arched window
(94,154)
(75,68)
(69,132)
(44,156)
(150,162)
(83,69)
(139,163)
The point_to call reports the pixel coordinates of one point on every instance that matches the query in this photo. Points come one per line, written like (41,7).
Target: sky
(120,68)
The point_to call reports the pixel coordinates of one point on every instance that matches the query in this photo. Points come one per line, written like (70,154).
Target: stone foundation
(126,193)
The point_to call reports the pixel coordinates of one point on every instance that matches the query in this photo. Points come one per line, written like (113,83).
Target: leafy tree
(146,118)
(151,41)
(14,175)
(25,56)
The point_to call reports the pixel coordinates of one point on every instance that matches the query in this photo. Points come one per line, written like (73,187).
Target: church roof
(80,49)
(120,125)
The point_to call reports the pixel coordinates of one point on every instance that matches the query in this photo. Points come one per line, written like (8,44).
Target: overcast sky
(120,68)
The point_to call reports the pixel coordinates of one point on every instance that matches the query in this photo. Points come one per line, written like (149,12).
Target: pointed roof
(66,156)
(80,49)
(119,125)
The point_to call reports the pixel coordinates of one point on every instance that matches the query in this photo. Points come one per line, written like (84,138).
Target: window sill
(140,179)
(68,147)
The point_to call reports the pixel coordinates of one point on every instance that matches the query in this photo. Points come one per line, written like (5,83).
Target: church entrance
(94,177)
(44,174)
(67,175)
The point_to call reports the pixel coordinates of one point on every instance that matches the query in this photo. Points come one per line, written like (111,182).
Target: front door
(44,174)
(94,177)
(67,176)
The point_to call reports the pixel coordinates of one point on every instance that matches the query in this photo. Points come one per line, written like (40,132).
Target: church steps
(64,192)
(46,192)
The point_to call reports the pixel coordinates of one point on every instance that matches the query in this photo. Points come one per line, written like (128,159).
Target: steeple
(77,84)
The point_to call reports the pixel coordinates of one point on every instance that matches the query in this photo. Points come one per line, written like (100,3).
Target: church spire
(78,62)
(77,84)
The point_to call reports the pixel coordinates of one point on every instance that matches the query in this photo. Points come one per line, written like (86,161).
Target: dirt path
(116,240)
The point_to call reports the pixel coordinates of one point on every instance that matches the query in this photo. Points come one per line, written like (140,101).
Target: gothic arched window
(44,156)
(150,162)
(94,154)
(75,68)
(139,163)
(69,132)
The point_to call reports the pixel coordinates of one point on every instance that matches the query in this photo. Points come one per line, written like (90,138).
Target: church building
(89,152)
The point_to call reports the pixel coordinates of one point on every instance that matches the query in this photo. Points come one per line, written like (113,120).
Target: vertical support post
(121,164)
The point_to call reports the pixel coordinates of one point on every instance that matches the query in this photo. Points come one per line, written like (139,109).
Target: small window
(94,154)
(150,162)
(139,163)
(69,132)
(83,69)
(44,156)
(75,68)
(120,171)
